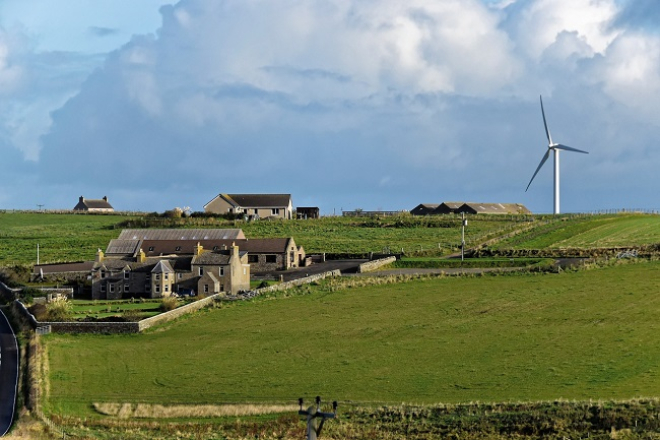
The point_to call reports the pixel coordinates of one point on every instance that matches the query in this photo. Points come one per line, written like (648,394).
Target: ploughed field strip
(580,335)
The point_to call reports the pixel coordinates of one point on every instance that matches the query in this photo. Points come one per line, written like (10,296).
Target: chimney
(81,199)
(99,256)
(199,249)
(105,198)
(141,257)
(234,250)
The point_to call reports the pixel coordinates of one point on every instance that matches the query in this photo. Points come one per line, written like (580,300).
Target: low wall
(176,313)
(75,327)
(300,281)
(376,264)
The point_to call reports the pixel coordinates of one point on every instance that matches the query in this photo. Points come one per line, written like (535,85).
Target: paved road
(8,374)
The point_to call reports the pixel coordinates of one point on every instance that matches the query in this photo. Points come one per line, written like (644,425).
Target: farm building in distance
(424,209)
(304,212)
(252,205)
(471,208)
(93,205)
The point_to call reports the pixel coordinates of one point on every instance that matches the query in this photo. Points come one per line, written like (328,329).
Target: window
(157,277)
(275,211)
(252,258)
(167,276)
(151,248)
(179,275)
(167,287)
(222,287)
(157,289)
(178,248)
(271,258)
(126,287)
(127,274)
(111,287)
(147,287)
(102,287)
(222,271)
(215,248)
(102,274)
(206,288)
(201,271)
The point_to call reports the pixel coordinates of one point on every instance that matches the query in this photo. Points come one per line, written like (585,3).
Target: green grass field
(576,335)
(589,232)
(76,237)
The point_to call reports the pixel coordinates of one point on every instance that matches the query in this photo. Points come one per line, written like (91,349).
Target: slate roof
(258,200)
(85,204)
(213,258)
(183,247)
(83,266)
(122,247)
(181,234)
(163,266)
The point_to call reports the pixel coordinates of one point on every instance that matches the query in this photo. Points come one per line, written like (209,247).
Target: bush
(60,309)
(168,304)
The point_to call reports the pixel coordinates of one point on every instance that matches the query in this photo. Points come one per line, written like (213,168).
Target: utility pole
(312,414)
(37,253)
(40,206)
(463,225)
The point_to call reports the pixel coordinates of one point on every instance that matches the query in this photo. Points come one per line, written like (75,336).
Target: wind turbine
(555,149)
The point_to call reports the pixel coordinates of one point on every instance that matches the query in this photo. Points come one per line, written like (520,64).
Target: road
(8,374)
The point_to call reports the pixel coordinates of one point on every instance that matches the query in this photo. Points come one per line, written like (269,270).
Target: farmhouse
(205,272)
(252,205)
(265,254)
(93,205)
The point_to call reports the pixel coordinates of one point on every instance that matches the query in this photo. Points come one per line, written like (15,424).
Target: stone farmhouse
(252,205)
(205,272)
(264,254)
(93,205)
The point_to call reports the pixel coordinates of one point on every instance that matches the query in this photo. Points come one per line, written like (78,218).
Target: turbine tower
(555,149)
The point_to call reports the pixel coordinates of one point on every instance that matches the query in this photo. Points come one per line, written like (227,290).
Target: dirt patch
(144,410)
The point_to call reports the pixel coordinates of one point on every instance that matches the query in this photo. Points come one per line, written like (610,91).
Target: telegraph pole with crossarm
(313,414)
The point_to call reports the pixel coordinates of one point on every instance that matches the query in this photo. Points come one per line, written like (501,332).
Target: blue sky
(345,104)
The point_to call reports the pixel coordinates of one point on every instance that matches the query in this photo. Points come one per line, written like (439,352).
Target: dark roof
(215,258)
(181,234)
(258,200)
(163,266)
(83,266)
(183,247)
(122,247)
(84,204)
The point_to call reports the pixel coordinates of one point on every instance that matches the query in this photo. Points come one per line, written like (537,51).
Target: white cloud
(392,97)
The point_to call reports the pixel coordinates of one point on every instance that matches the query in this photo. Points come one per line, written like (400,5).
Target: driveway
(8,374)
(345,266)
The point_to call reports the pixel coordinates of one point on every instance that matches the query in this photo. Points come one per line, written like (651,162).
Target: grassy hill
(578,335)
(588,231)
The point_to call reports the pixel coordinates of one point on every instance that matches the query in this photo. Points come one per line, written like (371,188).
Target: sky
(345,104)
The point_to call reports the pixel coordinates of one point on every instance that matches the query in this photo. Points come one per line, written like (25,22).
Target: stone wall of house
(375,264)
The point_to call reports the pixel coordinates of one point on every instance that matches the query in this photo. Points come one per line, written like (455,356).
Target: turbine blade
(545,157)
(545,124)
(567,148)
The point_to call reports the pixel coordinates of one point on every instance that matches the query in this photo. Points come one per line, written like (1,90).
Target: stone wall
(300,281)
(176,313)
(376,264)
